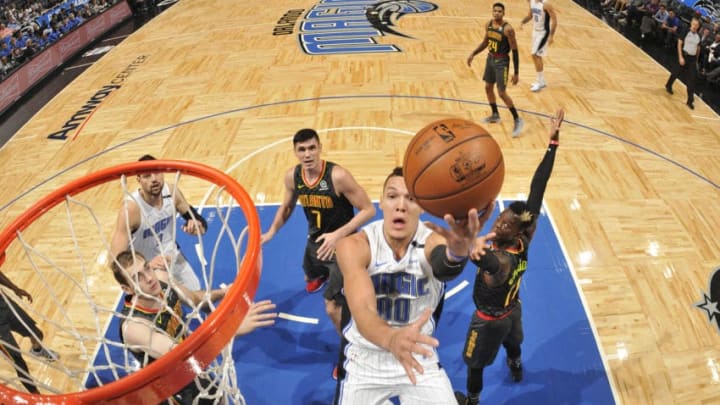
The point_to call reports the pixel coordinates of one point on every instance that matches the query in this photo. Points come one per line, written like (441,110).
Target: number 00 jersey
(324,209)
(404,288)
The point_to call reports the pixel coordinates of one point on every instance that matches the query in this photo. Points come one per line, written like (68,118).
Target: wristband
(454,258)
(554,142)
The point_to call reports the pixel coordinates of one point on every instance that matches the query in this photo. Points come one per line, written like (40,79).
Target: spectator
(651,24)
(670,28)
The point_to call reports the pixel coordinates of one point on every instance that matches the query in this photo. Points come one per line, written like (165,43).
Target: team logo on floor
(341,27)
(711,299)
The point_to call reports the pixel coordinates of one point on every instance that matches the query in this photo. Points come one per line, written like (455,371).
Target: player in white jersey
(394,273)
(544,20)
(147,220)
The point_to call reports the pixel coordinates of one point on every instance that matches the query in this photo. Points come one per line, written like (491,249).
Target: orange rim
(167,375)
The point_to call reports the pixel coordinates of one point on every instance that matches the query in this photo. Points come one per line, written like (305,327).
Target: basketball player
(500,41)
(14,319)
(328,194)
(147,220)
(544,18)
(497,319)
(152,323)
(395,270)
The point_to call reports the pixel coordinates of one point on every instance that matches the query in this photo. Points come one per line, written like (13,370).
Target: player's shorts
(540,43)
(315,268)
(182,273)
(194,393)
(14,318)
(496,71)
(484,337)
(372,377)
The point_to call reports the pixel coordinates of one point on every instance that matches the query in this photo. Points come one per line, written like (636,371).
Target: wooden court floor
(633,196)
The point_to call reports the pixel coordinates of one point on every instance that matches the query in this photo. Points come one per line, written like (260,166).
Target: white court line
(78,66)
(296,318)
(114,38)
(456,289)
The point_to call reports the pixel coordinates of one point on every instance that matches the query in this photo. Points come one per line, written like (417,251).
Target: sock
(493,106)
(514,112)
(540,78)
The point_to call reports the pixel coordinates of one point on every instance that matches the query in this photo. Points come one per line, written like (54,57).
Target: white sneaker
(517,128)
(537,87)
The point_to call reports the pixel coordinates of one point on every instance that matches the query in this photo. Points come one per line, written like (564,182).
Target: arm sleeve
(540,179)
(516,61)
(443,269)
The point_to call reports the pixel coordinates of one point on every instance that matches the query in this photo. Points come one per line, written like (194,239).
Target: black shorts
(496,71)
(315,268)
(14,318)
(187,395)
(484,337)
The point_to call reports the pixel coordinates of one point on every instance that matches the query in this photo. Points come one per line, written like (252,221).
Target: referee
(688,50)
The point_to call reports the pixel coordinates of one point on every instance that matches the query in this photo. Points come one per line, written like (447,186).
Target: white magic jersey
(404,288)
(541,22)
(162,222)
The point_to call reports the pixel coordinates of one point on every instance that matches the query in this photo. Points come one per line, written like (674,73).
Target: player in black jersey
(152,324)
(498,317)
(329,194)
(500,41)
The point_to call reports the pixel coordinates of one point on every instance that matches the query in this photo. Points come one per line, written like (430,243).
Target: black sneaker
(691,105)
(516,371)
(45,353)
(461,398)
(668,89)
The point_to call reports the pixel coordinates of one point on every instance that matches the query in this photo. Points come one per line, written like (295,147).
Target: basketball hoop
(168,374)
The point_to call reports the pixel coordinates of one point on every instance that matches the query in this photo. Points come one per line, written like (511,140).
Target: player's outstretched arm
(258,316)
(128,221)
(285,209)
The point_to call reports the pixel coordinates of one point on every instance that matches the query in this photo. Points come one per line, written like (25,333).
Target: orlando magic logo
(335,27)
(710,302)
(383,16)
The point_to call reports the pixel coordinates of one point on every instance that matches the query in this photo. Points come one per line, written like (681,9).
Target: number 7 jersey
(404,288)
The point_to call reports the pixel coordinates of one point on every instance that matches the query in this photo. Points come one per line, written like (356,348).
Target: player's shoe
(335,373)
(45,353)
(316,285)
(535,87)
(464,400)
(516,370)
(492,119)
(517,128)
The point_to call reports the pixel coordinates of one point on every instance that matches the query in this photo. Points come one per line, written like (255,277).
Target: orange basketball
(453,165)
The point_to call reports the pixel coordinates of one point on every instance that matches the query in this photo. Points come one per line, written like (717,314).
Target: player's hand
(514,79)
(22,293)
(193,227)
(555,123)
(481,244)
(550,40)
(327,249)
(469,60)
(682,61)
(160,262)
(257,316)
(264,238)
(406,341)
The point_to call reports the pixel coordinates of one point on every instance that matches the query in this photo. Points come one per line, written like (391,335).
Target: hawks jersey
(155,221)
(404,288)
(498,42)
(167,319)
(498,300)
(324,209)
(541,20)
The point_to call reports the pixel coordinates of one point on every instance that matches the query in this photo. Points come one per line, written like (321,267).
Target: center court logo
(711,299)
(334,27)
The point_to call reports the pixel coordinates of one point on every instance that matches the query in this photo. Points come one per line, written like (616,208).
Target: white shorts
(374,376)
(539,43)
(182,273)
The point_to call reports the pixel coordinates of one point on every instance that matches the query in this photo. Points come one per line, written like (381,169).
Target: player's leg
(333,296)
(503,71)
(9,347)
(316,271)
(539,50)
(482,343)
(489,78)
(21,323)
(359,390)
(512,345)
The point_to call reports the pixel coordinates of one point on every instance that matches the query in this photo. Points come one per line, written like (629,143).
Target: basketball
(453,165)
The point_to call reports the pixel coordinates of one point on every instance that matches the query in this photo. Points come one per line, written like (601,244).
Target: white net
(68,339)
